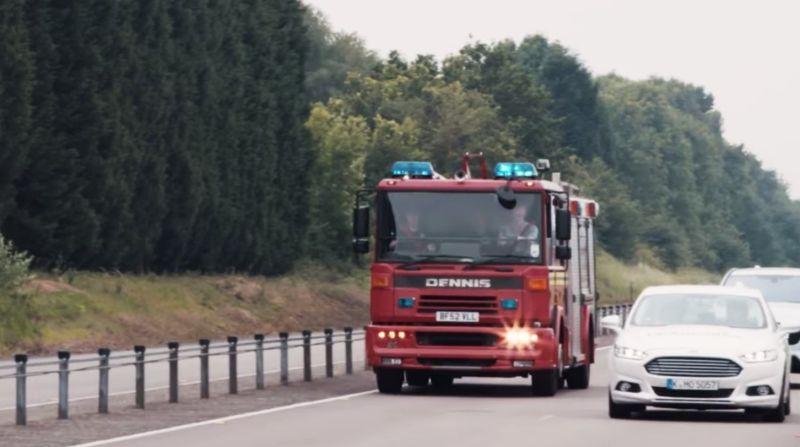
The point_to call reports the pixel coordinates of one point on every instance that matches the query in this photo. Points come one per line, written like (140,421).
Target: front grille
(709,394)
(692,367)
(456,339)
(455,363)
(432,303)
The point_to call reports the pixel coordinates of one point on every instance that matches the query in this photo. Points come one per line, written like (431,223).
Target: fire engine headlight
(520,337)
(381,335)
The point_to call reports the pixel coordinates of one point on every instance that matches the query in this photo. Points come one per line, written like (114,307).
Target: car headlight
(766,355)
(624,352)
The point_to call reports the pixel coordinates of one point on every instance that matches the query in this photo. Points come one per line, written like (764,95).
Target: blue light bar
(509,303)
(414,169)
(515,170)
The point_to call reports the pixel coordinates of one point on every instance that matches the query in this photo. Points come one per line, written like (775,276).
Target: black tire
(442,381)
(778,414)
(788,409)
(622,411)
(417,378)
(390,381)
(545,383)
(578,377)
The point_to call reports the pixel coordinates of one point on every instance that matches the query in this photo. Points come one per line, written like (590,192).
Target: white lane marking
(602,348)
(160,388)
(545,417)
(223,420)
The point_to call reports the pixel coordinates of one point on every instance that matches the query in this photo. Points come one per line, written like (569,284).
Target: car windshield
(459,227)
(706,310)
(774,287)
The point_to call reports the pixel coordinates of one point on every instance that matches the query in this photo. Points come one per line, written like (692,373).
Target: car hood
(697,340)
(787,314)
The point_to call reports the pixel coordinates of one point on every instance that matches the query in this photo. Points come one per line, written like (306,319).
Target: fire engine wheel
(578,377)
(442,381)
(545,383)
(390,381)
(417,378)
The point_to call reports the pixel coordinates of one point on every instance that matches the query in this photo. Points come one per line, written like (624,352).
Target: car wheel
(788,409)
(417,378)
(622,411)
(578,377)
(442,381)
(778,414)
(390,381)
(545,383)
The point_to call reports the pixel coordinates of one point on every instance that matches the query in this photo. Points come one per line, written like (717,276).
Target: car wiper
(427,258)
(495,258)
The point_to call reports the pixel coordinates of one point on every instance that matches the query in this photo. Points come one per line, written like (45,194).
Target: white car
(700,347)
(781,289)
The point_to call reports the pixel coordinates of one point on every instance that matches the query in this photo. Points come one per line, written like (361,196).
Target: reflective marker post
(173,371)
(139,362)
(284,337)
(259,361)
(233,385)
(22,415)
(328,352)
(63,384)
(348,349)
(204,368)
(102,394)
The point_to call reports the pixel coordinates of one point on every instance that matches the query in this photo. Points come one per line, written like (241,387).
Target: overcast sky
(746,53)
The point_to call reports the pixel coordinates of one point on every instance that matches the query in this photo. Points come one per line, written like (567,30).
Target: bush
(13,266)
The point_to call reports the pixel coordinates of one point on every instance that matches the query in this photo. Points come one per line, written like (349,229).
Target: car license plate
(690,384)
(457,317)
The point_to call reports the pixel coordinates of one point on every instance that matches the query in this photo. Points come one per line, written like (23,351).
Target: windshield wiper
(427,258)
(495,258)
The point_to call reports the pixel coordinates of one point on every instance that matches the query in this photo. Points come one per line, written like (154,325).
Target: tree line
(216,136)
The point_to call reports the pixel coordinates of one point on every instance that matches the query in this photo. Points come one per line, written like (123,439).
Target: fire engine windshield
(459,227)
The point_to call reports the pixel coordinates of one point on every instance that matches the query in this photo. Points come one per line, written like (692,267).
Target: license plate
(690,384)
(457,317)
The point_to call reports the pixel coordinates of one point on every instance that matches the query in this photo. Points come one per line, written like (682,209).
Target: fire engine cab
(492,275)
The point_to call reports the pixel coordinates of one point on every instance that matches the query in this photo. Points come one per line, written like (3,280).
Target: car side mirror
(611,322)
(563,225)
(794,338)
(361,229)
(563,253)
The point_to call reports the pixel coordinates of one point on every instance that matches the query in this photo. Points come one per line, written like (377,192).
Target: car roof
(766,271)
(701,290)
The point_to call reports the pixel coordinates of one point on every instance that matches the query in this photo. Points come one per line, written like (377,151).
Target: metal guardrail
(617,309)
(172,355)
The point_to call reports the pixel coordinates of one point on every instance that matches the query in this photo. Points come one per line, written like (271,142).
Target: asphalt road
(43,390)
(475,412)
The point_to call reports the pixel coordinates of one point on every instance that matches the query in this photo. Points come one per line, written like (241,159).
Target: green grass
(618,282)
(83,310)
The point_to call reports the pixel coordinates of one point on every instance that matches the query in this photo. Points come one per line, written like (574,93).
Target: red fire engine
(488,276)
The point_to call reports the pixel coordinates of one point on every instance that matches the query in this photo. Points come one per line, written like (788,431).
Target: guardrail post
(233,377)
(328,352)
(284,337)
(366,363)
(63,384)
(173,371)
(204,368)
(22,412)
(307,356)
(259,361)
(348,350)
(138,352)
(102,393)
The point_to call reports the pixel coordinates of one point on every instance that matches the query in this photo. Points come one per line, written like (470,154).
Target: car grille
(455,339)
(433,303)
(710,394)
(455,363)
(693,367)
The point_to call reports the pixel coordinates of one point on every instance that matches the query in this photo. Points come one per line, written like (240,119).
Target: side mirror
(563,253)
(611,322)
(563,225)
(361,229)
(794,338)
